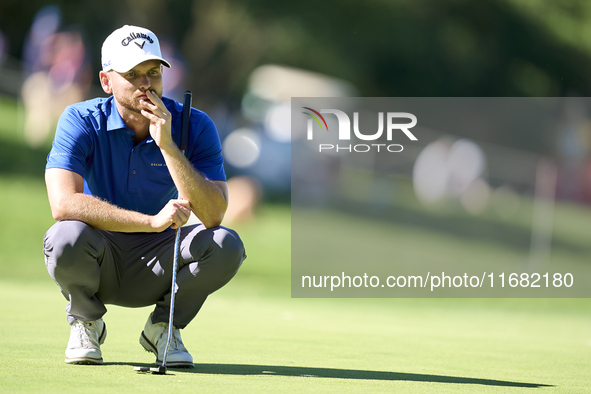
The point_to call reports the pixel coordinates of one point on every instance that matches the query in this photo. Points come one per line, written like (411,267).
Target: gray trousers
(95,267)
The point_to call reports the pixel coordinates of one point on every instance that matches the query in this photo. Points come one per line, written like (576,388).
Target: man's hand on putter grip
(174,214)
(160,120)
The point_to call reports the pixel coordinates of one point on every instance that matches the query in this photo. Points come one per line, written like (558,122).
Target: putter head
(160,370)
(141,369)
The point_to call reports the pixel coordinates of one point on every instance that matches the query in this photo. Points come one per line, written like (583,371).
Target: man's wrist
(170,148)
(149,224)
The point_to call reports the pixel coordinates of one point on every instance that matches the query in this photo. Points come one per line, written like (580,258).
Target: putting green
(277,344)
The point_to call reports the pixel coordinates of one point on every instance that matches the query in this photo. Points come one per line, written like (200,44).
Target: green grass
(252,337)
(277,344)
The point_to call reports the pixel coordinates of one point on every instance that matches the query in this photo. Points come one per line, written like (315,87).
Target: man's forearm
(208,201)
(101,214)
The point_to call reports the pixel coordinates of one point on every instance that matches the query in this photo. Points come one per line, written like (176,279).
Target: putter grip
(185,121)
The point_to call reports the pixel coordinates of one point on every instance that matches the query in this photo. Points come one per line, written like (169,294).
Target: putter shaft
(185,120)
(177,247)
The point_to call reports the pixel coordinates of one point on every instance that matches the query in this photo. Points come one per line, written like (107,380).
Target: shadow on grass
(311,372)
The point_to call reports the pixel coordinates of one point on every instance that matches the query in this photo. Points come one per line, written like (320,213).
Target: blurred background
(492,195)
(244,61)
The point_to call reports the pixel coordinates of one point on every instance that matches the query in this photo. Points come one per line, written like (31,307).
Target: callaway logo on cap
(128,46)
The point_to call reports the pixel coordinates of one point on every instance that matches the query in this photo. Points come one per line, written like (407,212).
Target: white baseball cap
(128,46)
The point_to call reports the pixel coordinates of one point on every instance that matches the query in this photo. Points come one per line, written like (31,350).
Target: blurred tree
(384,47)
(223,45)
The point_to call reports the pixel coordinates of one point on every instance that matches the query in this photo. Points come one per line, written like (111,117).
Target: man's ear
(105,82)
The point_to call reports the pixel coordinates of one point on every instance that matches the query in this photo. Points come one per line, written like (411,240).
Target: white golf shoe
(153,339)
(85,340)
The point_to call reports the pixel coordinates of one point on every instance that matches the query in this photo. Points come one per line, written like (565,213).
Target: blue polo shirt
(92,140)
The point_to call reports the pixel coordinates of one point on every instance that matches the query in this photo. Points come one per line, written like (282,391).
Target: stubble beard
(130,104)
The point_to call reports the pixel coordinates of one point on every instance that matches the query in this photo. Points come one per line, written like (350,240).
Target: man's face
(130,87)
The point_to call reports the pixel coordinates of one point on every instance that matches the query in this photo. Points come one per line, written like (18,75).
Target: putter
(161,370)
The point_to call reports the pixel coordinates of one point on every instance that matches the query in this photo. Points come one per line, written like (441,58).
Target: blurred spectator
(45,25)
(57,74)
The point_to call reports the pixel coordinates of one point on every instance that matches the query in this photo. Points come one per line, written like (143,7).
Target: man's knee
(220,246)
(232,251)
(70,242)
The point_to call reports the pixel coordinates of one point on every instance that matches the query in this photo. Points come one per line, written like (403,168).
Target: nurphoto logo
(344,130)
